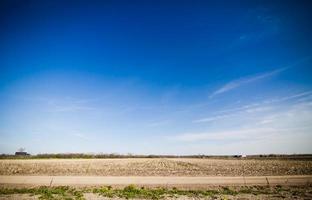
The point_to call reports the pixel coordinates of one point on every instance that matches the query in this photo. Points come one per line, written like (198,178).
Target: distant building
(240,156)
(21,153)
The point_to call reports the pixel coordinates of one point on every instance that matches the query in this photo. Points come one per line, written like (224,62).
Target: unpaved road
(183,182)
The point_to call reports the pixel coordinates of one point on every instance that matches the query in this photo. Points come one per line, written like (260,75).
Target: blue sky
(156,77)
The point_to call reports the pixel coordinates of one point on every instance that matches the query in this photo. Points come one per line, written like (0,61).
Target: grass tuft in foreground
(59,192)
(131,191)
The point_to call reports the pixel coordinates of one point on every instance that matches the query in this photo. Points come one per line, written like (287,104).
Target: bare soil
(156,167)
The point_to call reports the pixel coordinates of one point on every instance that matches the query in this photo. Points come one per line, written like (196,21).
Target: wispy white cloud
(70,108)
(258,107)
(241,134)
(64,104)
(247,110)
(243,81)
(266,121)
(256,133)
(302,96)
(213,118)
(71,104)
(305,94)
(280,122)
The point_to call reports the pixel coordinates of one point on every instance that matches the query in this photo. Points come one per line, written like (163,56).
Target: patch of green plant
(44,192)
(228,191)
(253,190)
(131,191)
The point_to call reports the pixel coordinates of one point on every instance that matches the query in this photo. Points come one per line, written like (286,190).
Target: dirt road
(183,182)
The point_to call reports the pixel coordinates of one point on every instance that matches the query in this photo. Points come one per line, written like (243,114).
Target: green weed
(131,191)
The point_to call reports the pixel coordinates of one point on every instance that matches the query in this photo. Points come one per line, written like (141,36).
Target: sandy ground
(180,182)
(156,167)
(286,196)
(20,196)
(91,196)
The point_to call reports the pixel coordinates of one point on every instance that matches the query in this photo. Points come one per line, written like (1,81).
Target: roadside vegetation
(43,192)
(133,192)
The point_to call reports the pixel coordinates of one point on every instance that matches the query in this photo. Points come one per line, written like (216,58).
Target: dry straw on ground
(156,167)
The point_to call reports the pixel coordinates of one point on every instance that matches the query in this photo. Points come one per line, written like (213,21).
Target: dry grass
(156,167)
